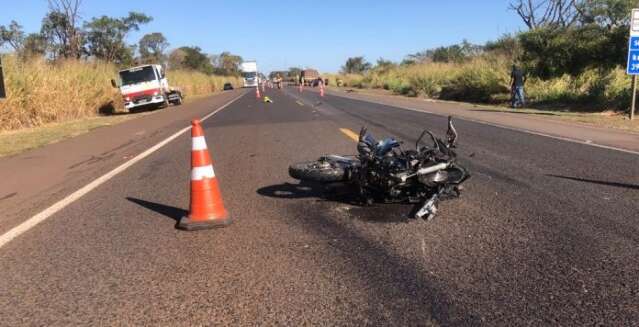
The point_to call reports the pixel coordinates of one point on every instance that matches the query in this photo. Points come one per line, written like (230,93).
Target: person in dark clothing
(517,81)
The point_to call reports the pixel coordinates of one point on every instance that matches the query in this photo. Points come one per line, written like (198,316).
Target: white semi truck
(146,85)
(250,74)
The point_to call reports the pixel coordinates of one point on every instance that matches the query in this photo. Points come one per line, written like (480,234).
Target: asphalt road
(547,233)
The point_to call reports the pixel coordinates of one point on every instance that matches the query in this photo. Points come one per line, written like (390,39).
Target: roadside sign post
(633,57)
(3,94)
(634,97)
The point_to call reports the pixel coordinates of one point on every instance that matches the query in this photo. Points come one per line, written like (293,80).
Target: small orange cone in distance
(322,90)
(257,92)
(207,209)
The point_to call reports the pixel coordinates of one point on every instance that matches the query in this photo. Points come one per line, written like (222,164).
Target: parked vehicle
(310,76)
(250,75)
(228,86)
(383,171)
(146,85)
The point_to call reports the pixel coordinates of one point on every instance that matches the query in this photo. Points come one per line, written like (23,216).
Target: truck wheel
(178,101)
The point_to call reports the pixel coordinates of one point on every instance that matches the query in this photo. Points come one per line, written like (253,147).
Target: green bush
(486,79)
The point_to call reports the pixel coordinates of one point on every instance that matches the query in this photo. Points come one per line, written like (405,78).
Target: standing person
(517,81)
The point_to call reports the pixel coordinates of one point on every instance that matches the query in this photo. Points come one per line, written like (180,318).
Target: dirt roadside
(536,123)
(33,180)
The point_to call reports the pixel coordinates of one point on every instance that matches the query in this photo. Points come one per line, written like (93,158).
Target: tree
(546,13)
(507,45)
(355,65)
(606,13)
(193,58)
(152,47)
(408,61)
(294,72)
(228,63)
(176,59)
(35,44)
(274,74)
(106,36)
(12,35)
(60,28)
(384,65)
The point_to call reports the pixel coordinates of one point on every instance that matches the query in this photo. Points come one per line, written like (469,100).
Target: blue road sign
(633,56)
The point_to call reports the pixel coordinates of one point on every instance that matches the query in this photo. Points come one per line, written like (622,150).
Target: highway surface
(547,233)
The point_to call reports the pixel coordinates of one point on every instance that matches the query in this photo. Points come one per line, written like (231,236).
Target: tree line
(64,35)
(562,37)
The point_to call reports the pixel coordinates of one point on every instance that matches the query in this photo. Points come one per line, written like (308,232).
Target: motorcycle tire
(317,171)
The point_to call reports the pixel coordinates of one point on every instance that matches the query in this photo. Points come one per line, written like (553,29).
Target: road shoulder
(36,178)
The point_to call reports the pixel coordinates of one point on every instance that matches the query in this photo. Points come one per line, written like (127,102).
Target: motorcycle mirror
(419,139)
(362,133)
(432,137)
(451,134)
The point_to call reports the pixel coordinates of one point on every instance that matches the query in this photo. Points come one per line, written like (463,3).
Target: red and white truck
(146,86)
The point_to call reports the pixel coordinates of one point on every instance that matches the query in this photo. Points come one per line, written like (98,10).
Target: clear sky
(285,33)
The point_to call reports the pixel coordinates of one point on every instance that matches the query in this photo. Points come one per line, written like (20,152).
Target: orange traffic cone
(257,92)
(322,90)
(206,210)
(301,87)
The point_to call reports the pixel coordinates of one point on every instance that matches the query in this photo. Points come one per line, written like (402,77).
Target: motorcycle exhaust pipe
(423,171)
(432,169)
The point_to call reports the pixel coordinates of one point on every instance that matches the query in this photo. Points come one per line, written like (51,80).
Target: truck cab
(147,85)
(250,75)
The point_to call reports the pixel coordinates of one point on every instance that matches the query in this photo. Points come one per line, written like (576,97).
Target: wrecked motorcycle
(383,171)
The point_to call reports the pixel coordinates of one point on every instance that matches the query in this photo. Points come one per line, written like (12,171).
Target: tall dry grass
(40,92)
(486,79)
(194,83)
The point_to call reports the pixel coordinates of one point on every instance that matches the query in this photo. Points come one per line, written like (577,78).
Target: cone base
(189,225)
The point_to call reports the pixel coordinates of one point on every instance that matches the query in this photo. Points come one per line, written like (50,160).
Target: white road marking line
(567,139)
(352,135)
(48,212)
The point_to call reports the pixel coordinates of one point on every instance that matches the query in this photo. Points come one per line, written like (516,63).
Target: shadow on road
(168,211)
(408,294)
(615,184)
(344,194)
(109,109)
(329,192)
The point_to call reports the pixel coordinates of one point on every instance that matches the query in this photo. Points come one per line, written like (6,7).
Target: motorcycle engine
(384,168)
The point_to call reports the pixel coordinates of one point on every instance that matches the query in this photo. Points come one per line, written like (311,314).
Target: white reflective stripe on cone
(199,143)
(199,173)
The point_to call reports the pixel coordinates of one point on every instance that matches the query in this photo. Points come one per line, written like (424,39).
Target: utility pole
(3,94)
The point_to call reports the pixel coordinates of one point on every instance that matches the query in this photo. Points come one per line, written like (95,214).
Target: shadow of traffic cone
(257,92)
(206,210)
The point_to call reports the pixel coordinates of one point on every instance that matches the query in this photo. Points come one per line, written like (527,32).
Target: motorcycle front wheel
(317,171)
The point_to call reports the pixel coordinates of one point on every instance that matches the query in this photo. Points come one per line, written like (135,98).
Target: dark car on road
(228,86)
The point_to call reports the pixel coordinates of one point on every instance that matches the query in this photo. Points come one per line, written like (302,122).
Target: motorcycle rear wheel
(317,171)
